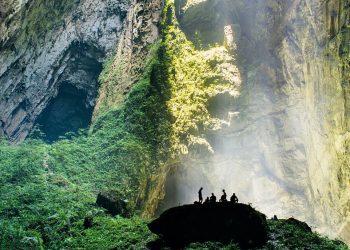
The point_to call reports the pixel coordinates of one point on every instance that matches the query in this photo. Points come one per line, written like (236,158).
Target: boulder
(88,222)
(113,204)
(302,225)
(220,222)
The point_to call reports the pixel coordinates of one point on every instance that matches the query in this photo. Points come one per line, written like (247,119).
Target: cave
(71,108)
(67,112)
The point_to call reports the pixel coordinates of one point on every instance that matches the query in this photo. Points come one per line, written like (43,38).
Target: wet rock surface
(220,222)
(285,143)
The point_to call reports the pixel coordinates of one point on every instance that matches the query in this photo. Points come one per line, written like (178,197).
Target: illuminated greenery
(194,77)
(47,190)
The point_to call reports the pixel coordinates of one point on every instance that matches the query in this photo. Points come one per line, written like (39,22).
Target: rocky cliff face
(52,52)
(282,144)
(141,31)
(269,119)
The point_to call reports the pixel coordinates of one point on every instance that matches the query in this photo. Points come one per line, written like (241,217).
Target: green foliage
(40,17)
(212,246)
(20,164)
(193,76)
(48,189)
(289,236)
(118,233)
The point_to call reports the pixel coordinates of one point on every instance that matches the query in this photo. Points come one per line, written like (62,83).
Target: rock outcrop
(219,222)
(283,143)
(141,31)
(302,225)
(112,203)
(47,45)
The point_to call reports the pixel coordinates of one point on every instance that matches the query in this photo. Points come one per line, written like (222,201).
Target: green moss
(193,77)
(47,190)
(39,18)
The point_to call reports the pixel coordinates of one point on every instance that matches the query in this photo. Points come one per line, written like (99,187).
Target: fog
(260,153)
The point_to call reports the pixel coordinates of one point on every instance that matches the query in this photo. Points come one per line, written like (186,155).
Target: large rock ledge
(220,222)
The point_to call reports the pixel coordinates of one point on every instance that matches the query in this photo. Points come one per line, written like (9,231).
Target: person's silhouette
(200,196)
(206,200)
(212,198)
(234,198)
(223,196)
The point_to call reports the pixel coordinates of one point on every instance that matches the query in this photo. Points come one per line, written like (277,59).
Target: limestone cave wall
(46,45)
(283,143)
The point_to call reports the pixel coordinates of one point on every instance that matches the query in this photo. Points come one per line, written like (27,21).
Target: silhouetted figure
(206,200)
(212,198)
(275,217)
(234,198)
(223,196)
(200,196)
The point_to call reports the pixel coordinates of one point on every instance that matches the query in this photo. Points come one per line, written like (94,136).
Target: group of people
(212,198)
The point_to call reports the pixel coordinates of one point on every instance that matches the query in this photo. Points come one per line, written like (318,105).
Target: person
(200,196)
(223,196)
(234,198)
(212,198)
(206,200)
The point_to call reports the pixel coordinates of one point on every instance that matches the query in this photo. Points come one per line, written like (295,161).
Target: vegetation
(42,16)
(290,236)
(194,77)
(282,235)
(48,190)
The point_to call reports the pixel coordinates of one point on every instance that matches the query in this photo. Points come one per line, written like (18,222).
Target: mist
(272,149)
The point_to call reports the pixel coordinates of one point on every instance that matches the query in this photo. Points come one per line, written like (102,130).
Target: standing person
(223,196)
(212,198)
(200,196)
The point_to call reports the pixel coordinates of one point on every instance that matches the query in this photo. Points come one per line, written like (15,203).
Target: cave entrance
(67,112)
(77,87)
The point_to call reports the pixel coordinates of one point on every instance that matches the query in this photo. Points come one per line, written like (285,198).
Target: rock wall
(281,144)
(48,44)
(140,32)
(285,146)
